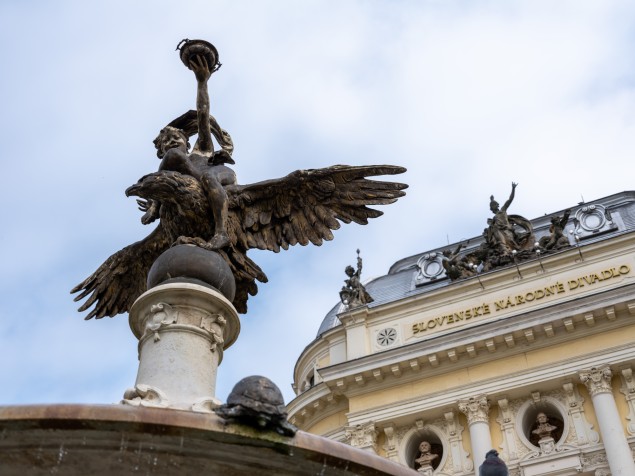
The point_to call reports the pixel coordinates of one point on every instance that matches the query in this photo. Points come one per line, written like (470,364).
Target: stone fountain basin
(120,439)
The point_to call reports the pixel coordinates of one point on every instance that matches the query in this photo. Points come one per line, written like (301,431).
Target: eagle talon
(220,240)
(191,240)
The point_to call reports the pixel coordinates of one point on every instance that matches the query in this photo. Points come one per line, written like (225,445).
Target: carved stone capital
(597,379)
(362,436)
(476,409)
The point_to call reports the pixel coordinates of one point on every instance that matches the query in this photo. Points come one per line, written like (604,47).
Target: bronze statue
(501,234)
(198,202)
(172,146)
(353,293)
(457,266)
(557,239)
(257,401)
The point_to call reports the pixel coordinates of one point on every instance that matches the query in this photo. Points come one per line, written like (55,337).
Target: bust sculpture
(543,428)
(425,458)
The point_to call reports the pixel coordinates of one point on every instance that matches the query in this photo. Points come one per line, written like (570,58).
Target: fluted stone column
(618,453)
(476,409)
(182,330)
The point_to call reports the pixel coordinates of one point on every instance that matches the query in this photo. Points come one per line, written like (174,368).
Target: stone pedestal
(547,444)
(425,470)
(183,329)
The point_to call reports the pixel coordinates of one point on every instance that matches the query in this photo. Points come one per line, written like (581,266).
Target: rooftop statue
(502,234)
(457,266)
(556,239)
(197,201)
(507,238)
(353,293)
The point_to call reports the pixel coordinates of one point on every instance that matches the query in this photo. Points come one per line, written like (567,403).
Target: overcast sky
(469,96)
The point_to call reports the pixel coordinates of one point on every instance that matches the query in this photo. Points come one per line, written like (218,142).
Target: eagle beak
(132,190)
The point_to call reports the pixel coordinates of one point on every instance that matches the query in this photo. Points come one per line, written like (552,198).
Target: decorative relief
(387,337)
(597,380)
(506,422)
(476,409)
(206,405)
(391,443)
(362,436)
(430,268)
(592,219)
(145,396)
(458,459)
(161,314)
(591,461)
(628,389)
(582,429)
(522,445)
(216,332)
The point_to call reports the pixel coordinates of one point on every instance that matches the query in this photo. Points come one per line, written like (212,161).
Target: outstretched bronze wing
(305,206)
(122,277)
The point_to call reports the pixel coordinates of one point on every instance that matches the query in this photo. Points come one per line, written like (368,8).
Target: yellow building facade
(474,364)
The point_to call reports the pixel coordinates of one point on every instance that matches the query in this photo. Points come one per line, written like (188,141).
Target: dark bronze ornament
(353,293)
(507,240)
(197,201)
(257,401)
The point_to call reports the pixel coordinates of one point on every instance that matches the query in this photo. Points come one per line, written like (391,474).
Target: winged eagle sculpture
(198,202)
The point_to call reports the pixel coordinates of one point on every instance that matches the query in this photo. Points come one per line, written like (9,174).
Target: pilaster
(628,389)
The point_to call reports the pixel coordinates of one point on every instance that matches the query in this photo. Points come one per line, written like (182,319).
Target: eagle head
(159,186)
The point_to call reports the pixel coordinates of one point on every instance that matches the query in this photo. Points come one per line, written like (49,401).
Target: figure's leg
(217,198)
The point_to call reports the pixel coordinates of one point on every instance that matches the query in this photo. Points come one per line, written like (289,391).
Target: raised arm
(565,218)
(359,265)
(202,71)
(511,197)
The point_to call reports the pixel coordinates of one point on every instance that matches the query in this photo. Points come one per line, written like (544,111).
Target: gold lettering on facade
(520,299)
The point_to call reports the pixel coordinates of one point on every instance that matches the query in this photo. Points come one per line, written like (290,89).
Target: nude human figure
(172,148)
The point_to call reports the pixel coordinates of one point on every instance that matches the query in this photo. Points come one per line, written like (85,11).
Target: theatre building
(523,341)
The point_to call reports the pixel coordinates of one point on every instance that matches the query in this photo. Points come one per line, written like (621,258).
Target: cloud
(467,96)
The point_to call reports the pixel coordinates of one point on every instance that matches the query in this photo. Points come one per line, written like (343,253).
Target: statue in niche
(353,293)
(426,458)
(543,428)
(197,201)
(546,432)
(556,239)
(501,235)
